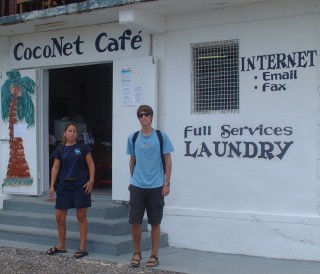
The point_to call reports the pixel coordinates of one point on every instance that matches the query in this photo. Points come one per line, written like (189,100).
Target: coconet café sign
(86,44)
(228,147)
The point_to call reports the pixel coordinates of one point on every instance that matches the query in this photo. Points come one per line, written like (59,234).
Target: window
(215,76)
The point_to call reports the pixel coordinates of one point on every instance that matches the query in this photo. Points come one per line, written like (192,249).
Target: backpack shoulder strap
(134,138)
(159,134)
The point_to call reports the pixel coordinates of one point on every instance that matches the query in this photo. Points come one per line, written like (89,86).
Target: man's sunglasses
(146,114)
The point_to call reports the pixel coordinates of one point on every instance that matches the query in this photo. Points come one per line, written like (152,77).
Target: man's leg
(155,238)
(155,213)
(136,212)
(136,236)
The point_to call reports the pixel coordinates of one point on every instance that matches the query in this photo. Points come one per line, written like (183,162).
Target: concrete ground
(194,262)
(197,262)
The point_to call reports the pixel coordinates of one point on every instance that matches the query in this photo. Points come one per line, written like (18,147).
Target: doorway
(83,94)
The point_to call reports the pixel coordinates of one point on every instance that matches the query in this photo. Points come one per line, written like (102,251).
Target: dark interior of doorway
(83,94)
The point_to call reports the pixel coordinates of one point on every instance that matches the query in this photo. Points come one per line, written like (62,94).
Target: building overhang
(147,15)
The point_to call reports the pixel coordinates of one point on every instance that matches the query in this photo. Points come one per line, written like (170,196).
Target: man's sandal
(55,250)
(80,253)
(136,259)
(153,261)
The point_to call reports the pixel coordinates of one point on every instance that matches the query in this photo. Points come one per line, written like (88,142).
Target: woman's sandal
(136,259)
(153,261)
(80,253)
(55,250)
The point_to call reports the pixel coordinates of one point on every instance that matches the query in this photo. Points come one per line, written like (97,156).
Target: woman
(74,164)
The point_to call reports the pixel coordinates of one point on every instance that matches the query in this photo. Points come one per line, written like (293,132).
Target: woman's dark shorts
(72,195)
(142,199)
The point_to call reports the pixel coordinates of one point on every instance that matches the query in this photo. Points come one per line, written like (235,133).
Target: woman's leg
(61,216)
(83,224)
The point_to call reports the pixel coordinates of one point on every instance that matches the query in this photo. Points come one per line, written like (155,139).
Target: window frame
(220,96)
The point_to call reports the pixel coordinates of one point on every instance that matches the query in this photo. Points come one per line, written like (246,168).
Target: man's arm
(131,164)
(168,163)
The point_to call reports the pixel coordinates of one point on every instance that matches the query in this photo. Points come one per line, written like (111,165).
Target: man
(150,182)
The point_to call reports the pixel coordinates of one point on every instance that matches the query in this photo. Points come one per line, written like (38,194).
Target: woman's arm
(91,167)
(54,175)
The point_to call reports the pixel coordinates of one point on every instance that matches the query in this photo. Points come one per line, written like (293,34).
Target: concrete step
(105,208)
(96,243)
(113,227)
(31,220)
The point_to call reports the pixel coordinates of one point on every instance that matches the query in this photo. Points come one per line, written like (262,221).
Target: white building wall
(4,57)
(263,207)
(254,206)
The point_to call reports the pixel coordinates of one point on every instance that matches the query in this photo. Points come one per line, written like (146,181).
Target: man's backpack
(159,134)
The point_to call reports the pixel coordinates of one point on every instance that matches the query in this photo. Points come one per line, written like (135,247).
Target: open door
(18,146)
(134,84)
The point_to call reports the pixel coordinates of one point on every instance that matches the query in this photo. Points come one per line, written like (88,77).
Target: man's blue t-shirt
(148,171)
(72,162)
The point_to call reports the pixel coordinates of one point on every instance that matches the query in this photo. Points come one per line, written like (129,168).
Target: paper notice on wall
(132,96)
(126,96)
(19,130)
(136,96)
(126,77)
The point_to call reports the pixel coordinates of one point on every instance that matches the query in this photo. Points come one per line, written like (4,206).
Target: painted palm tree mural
(17,106)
